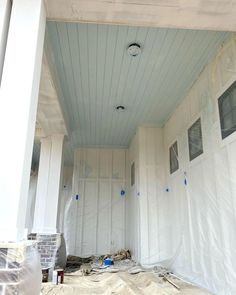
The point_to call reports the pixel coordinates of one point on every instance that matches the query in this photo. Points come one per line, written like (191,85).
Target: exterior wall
(132,201)
(208,198)
(95,221)
(151,193)
(147,225)
(65,195)
(186,219)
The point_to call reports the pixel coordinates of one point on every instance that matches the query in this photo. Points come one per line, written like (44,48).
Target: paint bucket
(58,276)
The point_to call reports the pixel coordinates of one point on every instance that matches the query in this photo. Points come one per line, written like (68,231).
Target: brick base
(48,246)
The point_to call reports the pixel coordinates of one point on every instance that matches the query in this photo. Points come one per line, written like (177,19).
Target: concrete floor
(121,283)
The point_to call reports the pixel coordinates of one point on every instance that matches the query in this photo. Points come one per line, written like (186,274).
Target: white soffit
(96,74)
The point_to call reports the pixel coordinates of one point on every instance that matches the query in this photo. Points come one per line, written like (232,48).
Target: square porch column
(49,183)
(5,12)
(45,225)
(18,105)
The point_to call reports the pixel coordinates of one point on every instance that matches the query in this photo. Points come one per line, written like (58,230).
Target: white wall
(65,195)
(187,220)
(207,253)
(132,201)
(95,224)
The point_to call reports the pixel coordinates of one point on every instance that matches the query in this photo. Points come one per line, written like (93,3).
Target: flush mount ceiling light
(120,108)
(134,49)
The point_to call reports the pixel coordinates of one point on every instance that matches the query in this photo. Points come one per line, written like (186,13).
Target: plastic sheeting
(187,219)
(20,270)
(95,215)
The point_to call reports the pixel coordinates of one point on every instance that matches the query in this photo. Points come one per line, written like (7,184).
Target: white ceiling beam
(219,15)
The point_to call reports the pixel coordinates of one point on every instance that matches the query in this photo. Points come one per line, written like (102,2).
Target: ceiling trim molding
(218,15)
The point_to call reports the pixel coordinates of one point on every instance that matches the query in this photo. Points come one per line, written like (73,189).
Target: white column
(5,12)
(49,183)
(18,105)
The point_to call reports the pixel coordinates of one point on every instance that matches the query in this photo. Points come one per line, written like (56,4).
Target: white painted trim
(191,14)
(18,107)
(5,13)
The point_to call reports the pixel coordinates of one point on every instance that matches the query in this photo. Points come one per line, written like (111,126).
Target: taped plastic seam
(20,269)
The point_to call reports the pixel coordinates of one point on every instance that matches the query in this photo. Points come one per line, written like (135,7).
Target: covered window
(227,109)
(174,162)
(132,174)
(195,140)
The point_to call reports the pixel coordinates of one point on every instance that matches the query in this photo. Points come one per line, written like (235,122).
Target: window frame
(177,158)
(200,152)
(132,174)
(224,94)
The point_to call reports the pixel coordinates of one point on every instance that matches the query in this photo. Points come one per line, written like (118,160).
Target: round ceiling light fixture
(120,108)
(134,49)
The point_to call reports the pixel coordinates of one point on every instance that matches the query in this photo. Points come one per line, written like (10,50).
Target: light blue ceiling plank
(112,99)
(149,79)
(117,120)
(101,68)
(85,128)
(172,81)
(211,41)
(151,48)
(110,57)
(67,82)
(92,37)
(74,48)
(52,29)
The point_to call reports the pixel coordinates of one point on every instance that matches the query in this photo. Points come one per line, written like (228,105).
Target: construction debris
(120,255)
(74,263)
(165,278)
(86,268)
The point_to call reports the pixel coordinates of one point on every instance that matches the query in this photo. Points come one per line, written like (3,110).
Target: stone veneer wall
(48,244)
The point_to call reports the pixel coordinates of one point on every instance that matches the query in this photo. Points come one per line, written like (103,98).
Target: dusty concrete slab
(121,283)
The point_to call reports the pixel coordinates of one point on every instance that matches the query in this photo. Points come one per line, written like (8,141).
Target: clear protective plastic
(20,269)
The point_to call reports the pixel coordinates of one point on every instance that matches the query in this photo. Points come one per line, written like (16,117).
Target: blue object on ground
(108,261)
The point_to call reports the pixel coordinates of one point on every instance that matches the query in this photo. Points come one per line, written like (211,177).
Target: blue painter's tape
(122,193)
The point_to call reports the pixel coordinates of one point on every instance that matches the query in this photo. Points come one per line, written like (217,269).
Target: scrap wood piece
(165,278)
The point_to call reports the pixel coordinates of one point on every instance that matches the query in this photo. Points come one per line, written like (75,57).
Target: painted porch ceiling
(96,74)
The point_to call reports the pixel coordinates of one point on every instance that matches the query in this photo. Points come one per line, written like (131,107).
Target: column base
(51,248)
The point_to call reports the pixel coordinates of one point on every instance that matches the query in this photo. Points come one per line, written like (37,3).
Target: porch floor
(122,283)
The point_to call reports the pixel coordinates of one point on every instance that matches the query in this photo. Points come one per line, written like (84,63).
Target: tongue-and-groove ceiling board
(96,74)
